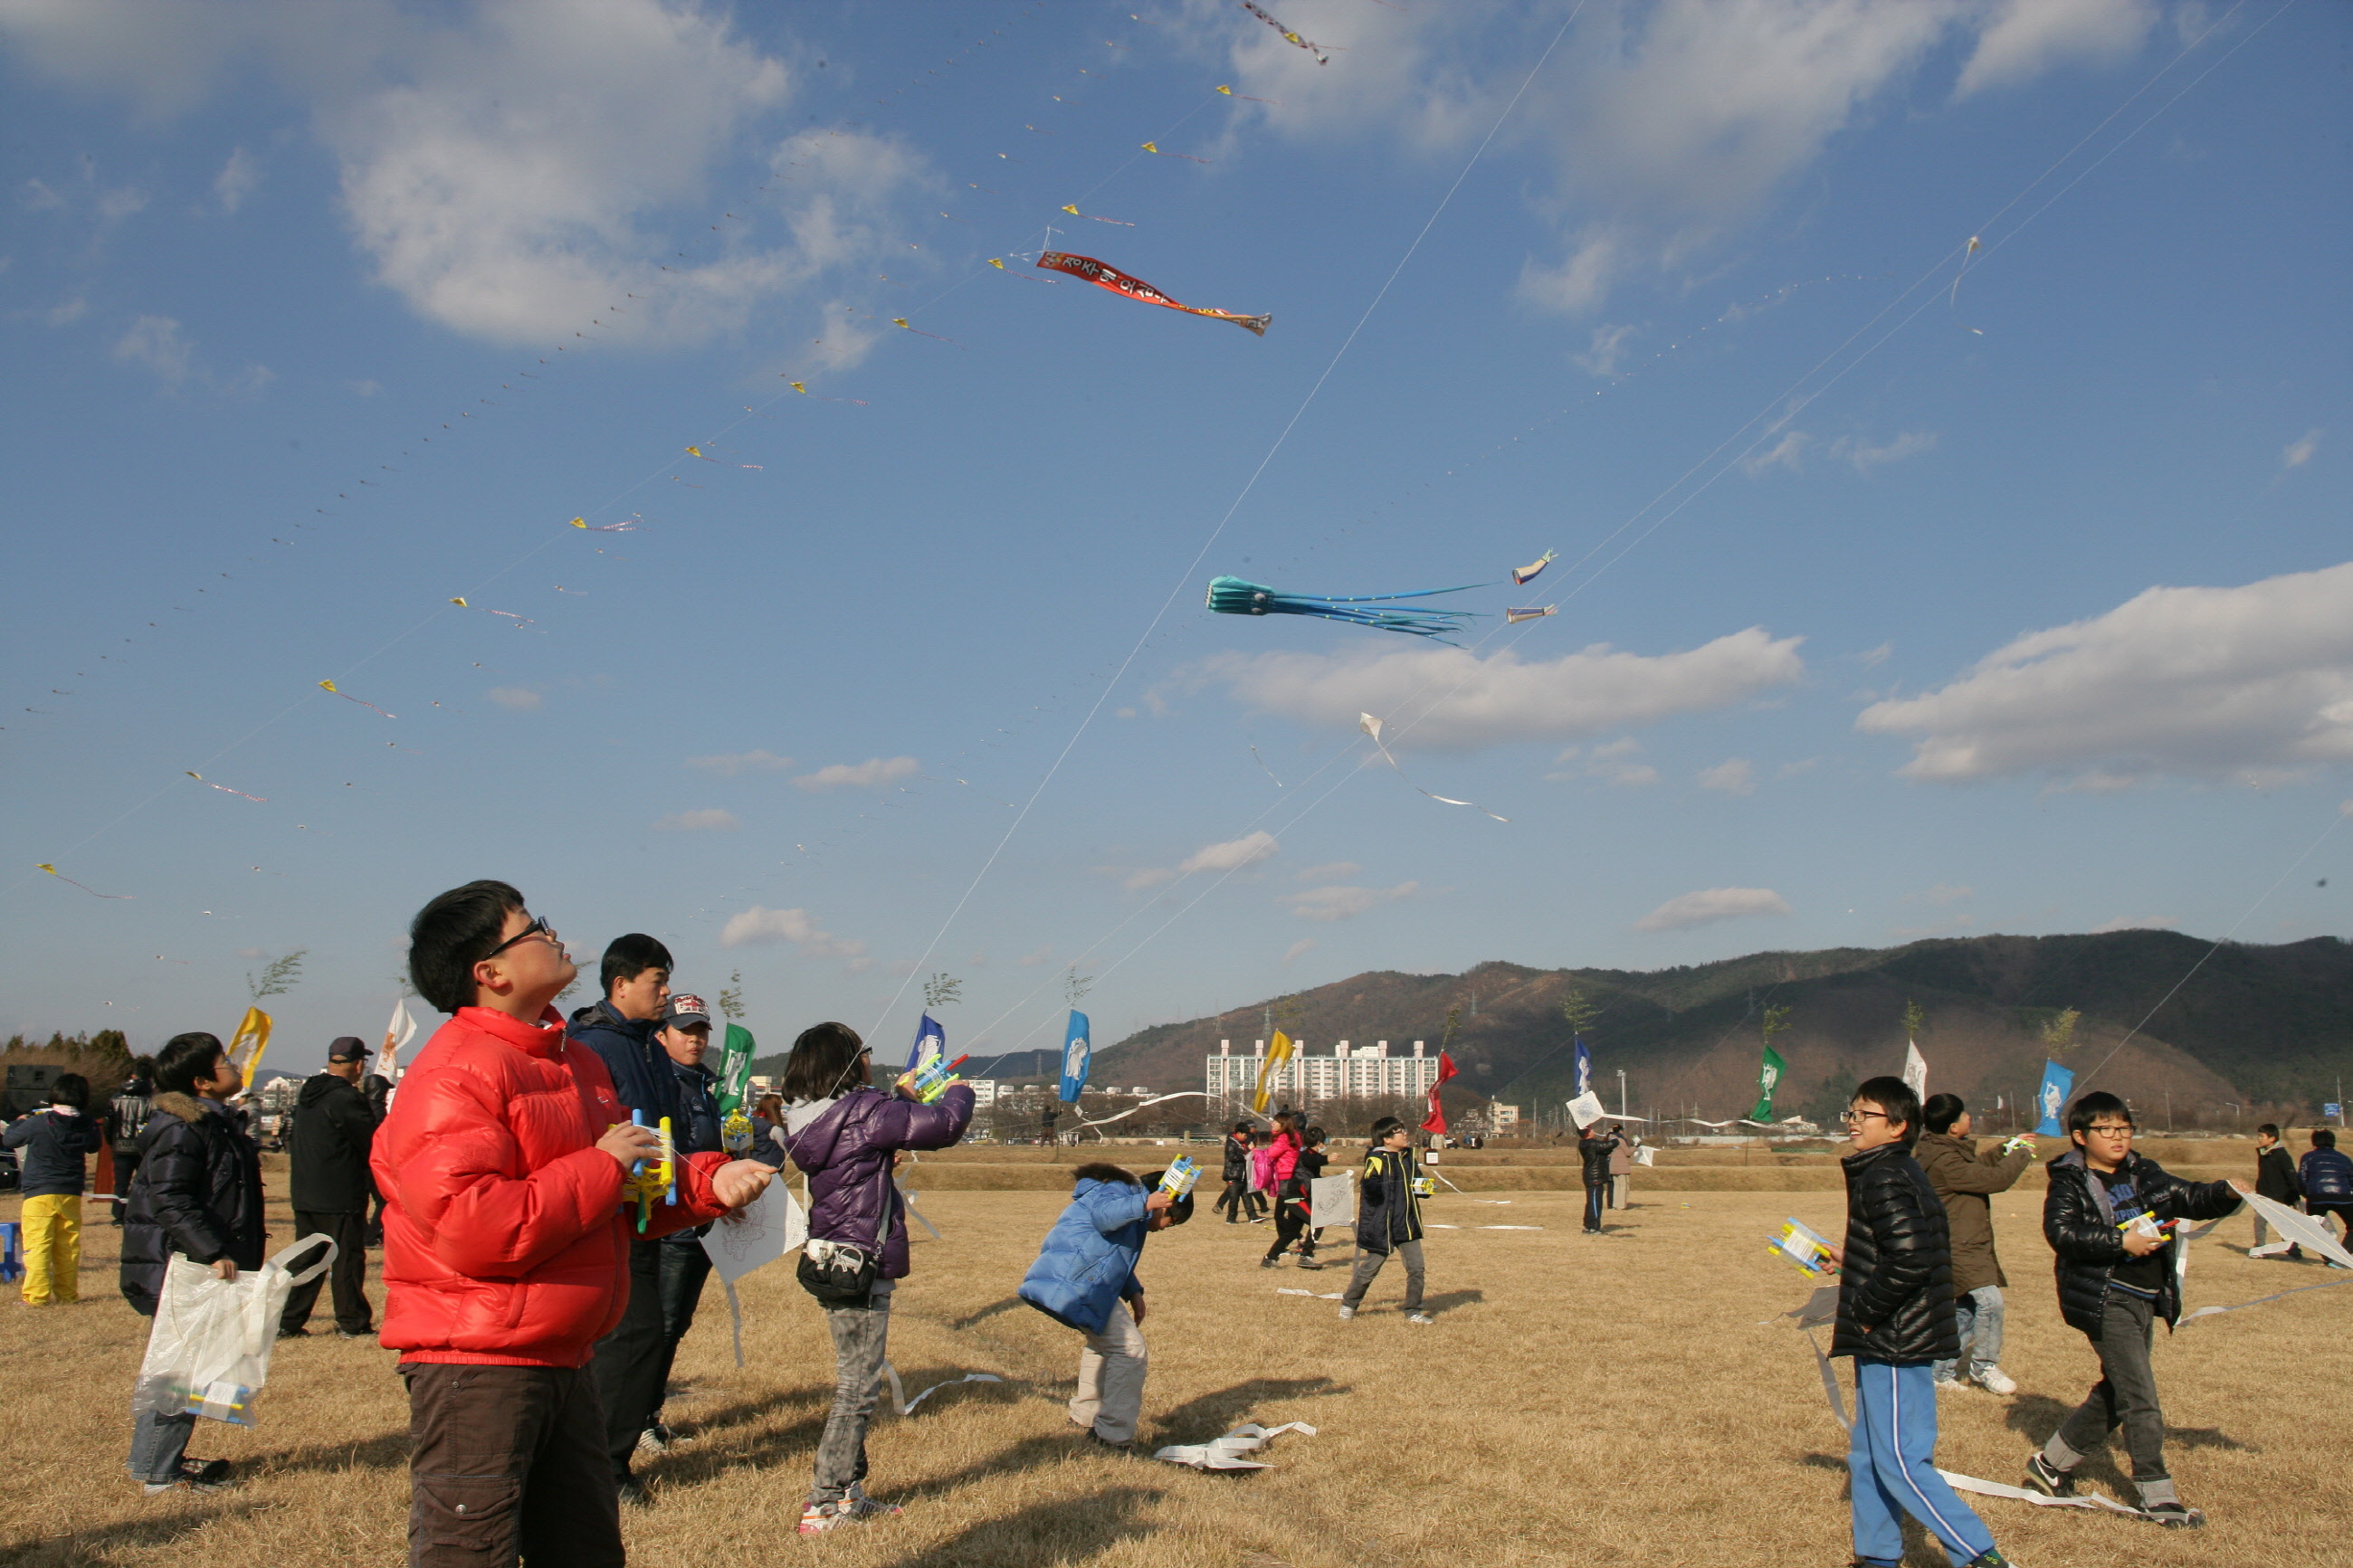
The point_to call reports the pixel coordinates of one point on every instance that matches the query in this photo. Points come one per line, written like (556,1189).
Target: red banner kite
(1437,1122)
(1104,276)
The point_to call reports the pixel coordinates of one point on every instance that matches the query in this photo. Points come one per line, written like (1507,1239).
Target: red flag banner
(1105,276)
(1436,1119)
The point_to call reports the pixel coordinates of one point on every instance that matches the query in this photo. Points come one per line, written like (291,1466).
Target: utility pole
(1621,1091)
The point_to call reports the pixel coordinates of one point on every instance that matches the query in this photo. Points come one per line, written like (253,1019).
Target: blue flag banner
(1077,1050)
(2058,1083)
(931,1040)
(2334,1108)
(1584,1070)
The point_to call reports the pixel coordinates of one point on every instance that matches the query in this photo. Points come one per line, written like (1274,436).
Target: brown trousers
(508,1464)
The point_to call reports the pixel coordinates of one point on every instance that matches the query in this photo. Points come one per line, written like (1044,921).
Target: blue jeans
(1979,1312)
(1892,1468)
(157,1443)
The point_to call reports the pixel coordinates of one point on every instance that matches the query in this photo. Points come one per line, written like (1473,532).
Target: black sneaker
(354,1334)
(633,1493)
(2175,1515)
(1988,1558)
(1267,1262)
(293,1334)
(2049,1478)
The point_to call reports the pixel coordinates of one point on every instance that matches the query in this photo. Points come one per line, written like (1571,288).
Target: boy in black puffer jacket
(1895,1319)
(197,1194)
(2104,1217)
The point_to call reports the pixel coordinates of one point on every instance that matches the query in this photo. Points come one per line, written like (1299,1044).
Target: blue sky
(1886,609)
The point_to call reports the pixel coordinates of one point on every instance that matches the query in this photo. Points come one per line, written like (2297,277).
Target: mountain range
(2190,1031)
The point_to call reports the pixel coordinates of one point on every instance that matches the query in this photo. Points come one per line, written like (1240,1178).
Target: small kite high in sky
(1534,613)
(1372,727)
(93,892)
(1104,276)
(1239,596)
(330,686)
(629,527)
(1523,575)
(223,788)
(1264,14)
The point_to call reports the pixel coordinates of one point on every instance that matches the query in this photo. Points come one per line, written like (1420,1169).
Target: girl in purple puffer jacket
(844,1134)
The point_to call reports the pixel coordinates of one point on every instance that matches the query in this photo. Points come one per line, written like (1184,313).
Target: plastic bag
(208,1353)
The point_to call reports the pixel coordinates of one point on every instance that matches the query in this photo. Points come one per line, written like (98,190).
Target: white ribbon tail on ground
(967,1377)
(2190,1318)
(1961,1483)
(1180,1094)
(1225,1453)
(1510,1227)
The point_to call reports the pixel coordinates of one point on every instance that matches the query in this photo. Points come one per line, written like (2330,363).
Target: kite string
(1193,567)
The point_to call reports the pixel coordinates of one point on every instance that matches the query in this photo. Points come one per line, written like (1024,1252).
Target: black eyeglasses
(537,928)
(1864,1115)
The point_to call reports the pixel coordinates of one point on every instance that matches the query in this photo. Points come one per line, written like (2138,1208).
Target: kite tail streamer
(735,1318)
(1239,596)
(60,876)
(329,685)
(1372,727)
(1105,276)
(1155,1100)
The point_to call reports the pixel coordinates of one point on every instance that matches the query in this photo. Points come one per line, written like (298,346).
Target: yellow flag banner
(252,1038)
(1278,1051)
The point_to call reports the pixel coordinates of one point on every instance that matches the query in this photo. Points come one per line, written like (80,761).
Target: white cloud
(1332,872)
(1329,904)
(1297,949)
(1711,905)
(872,773)
(1788,453)
(2136,922)
(1445,699)
(727,765)
(1232,855)
(365,388)
(2298,452)
(1733,775)
(1615,761)
(1609,347)
(1032,959)
(238,178)
(710,820)
(1148,877)
(520,699)
(760,926)
(2253,683)
(1943,895)
(156,342)
(2027,38)
(1866,456)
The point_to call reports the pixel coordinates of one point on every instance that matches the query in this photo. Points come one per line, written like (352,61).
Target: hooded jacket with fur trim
(197,1192)
(505,1240)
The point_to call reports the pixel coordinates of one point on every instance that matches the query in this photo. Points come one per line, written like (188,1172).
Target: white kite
(1372,727)
(766,1229)
(1225,1453)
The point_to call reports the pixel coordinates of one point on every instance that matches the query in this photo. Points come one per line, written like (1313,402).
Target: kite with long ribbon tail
(520,621)
(903,322)
(629,527)
(1372,727)
(1072,208)
(699,452)
(223,788)
(1156,153)
(329,685)
(1264,14)
(60,876)
(1239,596)
(1105,276)
(1954,302)
(1123,1115)
(1246,97)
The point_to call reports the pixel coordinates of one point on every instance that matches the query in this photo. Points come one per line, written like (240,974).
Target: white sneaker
(1996,1381)
(1418,1318)
(1346,1313)
(1947,1385)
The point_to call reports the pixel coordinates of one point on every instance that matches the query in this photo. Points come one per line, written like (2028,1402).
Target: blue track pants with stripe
(1893,1465)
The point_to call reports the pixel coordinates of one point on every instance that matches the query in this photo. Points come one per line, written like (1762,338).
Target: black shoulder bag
(840,1273)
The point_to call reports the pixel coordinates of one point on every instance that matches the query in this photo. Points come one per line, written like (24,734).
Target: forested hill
(2251,1024)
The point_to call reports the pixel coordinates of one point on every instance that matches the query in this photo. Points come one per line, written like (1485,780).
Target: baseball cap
(347,1049)
(686,1010)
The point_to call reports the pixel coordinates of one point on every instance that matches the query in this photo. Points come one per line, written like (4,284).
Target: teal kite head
(1238,597)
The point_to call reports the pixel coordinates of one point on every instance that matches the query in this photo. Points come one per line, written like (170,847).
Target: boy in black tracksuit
(2275,1180)
(1236,1173)
(1388,1215)
(2117,1278)
(1313,1157)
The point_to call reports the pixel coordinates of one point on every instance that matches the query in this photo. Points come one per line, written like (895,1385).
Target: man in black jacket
(2109,1215)
(1236,1172)
(334,1129)
(1895,1319)
(684,1037)
(2275,1180)
(629,1363)
(1595,1144)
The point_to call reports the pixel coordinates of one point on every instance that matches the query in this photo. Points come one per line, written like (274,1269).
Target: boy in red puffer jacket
(506,1244)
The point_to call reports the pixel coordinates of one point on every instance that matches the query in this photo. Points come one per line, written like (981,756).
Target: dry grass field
(1631,1398)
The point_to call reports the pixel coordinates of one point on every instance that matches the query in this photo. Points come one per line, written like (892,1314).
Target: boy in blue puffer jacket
(1085,1278)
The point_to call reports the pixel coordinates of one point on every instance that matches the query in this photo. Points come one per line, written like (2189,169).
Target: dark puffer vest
(1895,1287)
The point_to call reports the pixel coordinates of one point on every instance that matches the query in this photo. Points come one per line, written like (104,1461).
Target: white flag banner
(396,1035)
(1916,1070)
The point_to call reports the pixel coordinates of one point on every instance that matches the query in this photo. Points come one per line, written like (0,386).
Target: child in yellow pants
(52,1145)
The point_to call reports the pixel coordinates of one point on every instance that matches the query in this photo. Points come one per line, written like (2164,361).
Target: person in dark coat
(376,1089)
(126,1120)
(2326,1174)
(1895,1319)
(1236,1173)
(620,1029)
(55,1142)
(2107,1216)
(1965,1181)
(1388,1219)
(2274,1179)
(197,1196)
(846,1135)
(334,1129)
(684,1037)
(1595,1144)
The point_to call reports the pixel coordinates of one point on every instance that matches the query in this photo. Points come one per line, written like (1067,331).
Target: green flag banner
(734,1069)
(1769,1073)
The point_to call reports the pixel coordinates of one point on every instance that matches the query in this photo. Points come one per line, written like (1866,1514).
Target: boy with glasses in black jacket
(2107,1217)
(1895,1319)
